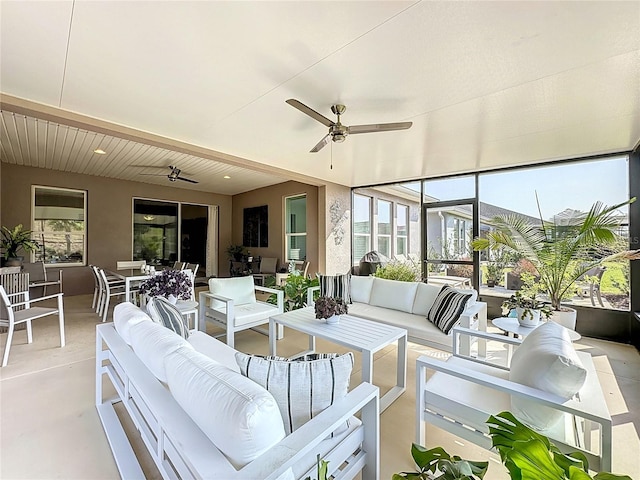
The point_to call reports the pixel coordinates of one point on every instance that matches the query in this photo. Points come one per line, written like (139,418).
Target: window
(361,226)
(402,221)
(296,227)
(155,231)
(384,227)
(59,225)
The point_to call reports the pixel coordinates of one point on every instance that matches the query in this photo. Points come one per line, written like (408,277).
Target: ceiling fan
(173,176)
(337,131)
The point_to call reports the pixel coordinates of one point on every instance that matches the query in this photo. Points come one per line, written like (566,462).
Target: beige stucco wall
(273,197)
(109,205)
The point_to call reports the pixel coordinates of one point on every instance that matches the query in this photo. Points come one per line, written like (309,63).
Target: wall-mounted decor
(255,230)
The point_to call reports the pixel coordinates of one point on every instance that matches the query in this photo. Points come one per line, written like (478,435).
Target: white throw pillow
(361,288)
(125,316)
(393,294)
(152,343)
(240,289)
(447,307)
(240,417)
(545,360)
(302,387)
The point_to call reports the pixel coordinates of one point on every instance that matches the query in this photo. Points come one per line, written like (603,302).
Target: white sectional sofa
(406,305)
(200,418)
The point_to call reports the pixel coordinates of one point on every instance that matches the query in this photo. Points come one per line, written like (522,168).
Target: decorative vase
(531,319)
(333,319)
(565,317)
(172,299)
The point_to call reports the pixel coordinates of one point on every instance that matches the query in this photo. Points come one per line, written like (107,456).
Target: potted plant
(494,271)
(235,252)
(330,309)
(528,307)
(562,250)
(172,284)
(15,239)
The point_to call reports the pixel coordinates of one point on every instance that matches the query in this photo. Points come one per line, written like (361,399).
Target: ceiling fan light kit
(173,176)
(337,131)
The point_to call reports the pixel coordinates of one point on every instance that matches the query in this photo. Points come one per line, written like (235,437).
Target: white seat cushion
(545,360)
(240,289)
(240,417)
(249,313)
(393,294)
(153,342)
(126,315)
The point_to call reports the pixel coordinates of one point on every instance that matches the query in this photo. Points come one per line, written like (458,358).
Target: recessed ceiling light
(99,151)
(226,176)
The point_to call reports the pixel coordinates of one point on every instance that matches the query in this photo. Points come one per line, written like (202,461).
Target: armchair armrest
(310,292)
(467,320)
(39,299)
(278,293)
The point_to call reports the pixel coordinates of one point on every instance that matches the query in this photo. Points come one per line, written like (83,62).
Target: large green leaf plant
(564,249)
(526,454)
(15,239)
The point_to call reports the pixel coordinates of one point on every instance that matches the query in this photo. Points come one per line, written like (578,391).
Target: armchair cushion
(163,312)
(301,388)
(447,307)
(337,286)
(545,360)
(249,312)
(248,422)
(240,289)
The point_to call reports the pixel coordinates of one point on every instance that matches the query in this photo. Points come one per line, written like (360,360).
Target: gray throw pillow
(162,311)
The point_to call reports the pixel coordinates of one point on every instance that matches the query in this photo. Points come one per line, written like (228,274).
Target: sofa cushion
(425,296)
(447,307)
(393,294)
(125,316)
(240,289)
(215,349)
(416,326)
(162,311)
(361,288)
(545,360)
(152,343)
(240,417)
(302,388)
(337,286)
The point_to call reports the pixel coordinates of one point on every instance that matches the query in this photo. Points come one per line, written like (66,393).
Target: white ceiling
(486,84)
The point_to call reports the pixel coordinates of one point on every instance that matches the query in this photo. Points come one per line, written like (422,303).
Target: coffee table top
(351,332)
(511,325)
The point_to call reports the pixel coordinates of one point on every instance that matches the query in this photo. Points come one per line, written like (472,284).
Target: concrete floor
(49,427)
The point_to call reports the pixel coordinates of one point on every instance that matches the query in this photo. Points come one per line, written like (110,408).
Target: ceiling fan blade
(147,166)
(309,111)
(321,144)
(186,180)
(379,127)
(153,174)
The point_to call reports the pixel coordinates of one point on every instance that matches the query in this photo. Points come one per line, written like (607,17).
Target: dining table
(131,277)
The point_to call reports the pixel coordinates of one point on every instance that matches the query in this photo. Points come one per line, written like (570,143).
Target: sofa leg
(230,338)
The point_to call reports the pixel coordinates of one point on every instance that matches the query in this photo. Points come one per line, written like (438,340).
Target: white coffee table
(356,333)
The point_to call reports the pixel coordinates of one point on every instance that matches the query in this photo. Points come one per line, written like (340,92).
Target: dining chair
(97,292)
(40,278)
(178,265)
(19,312)
(108,289)
(268,268)
(193,267)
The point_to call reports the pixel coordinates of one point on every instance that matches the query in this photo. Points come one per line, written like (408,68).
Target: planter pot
(13,262)
(566,318)
(491,283)
(530,318)
(333,319)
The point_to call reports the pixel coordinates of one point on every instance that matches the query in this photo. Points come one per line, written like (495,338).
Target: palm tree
(564,249)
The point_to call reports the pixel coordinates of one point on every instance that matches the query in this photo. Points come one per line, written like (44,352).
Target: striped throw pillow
(337,286)
(302,387)
(447,307)
(162,311)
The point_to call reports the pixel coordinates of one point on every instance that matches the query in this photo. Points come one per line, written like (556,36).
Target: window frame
(396,231)
(289,235)
(37,231)
(369,236)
